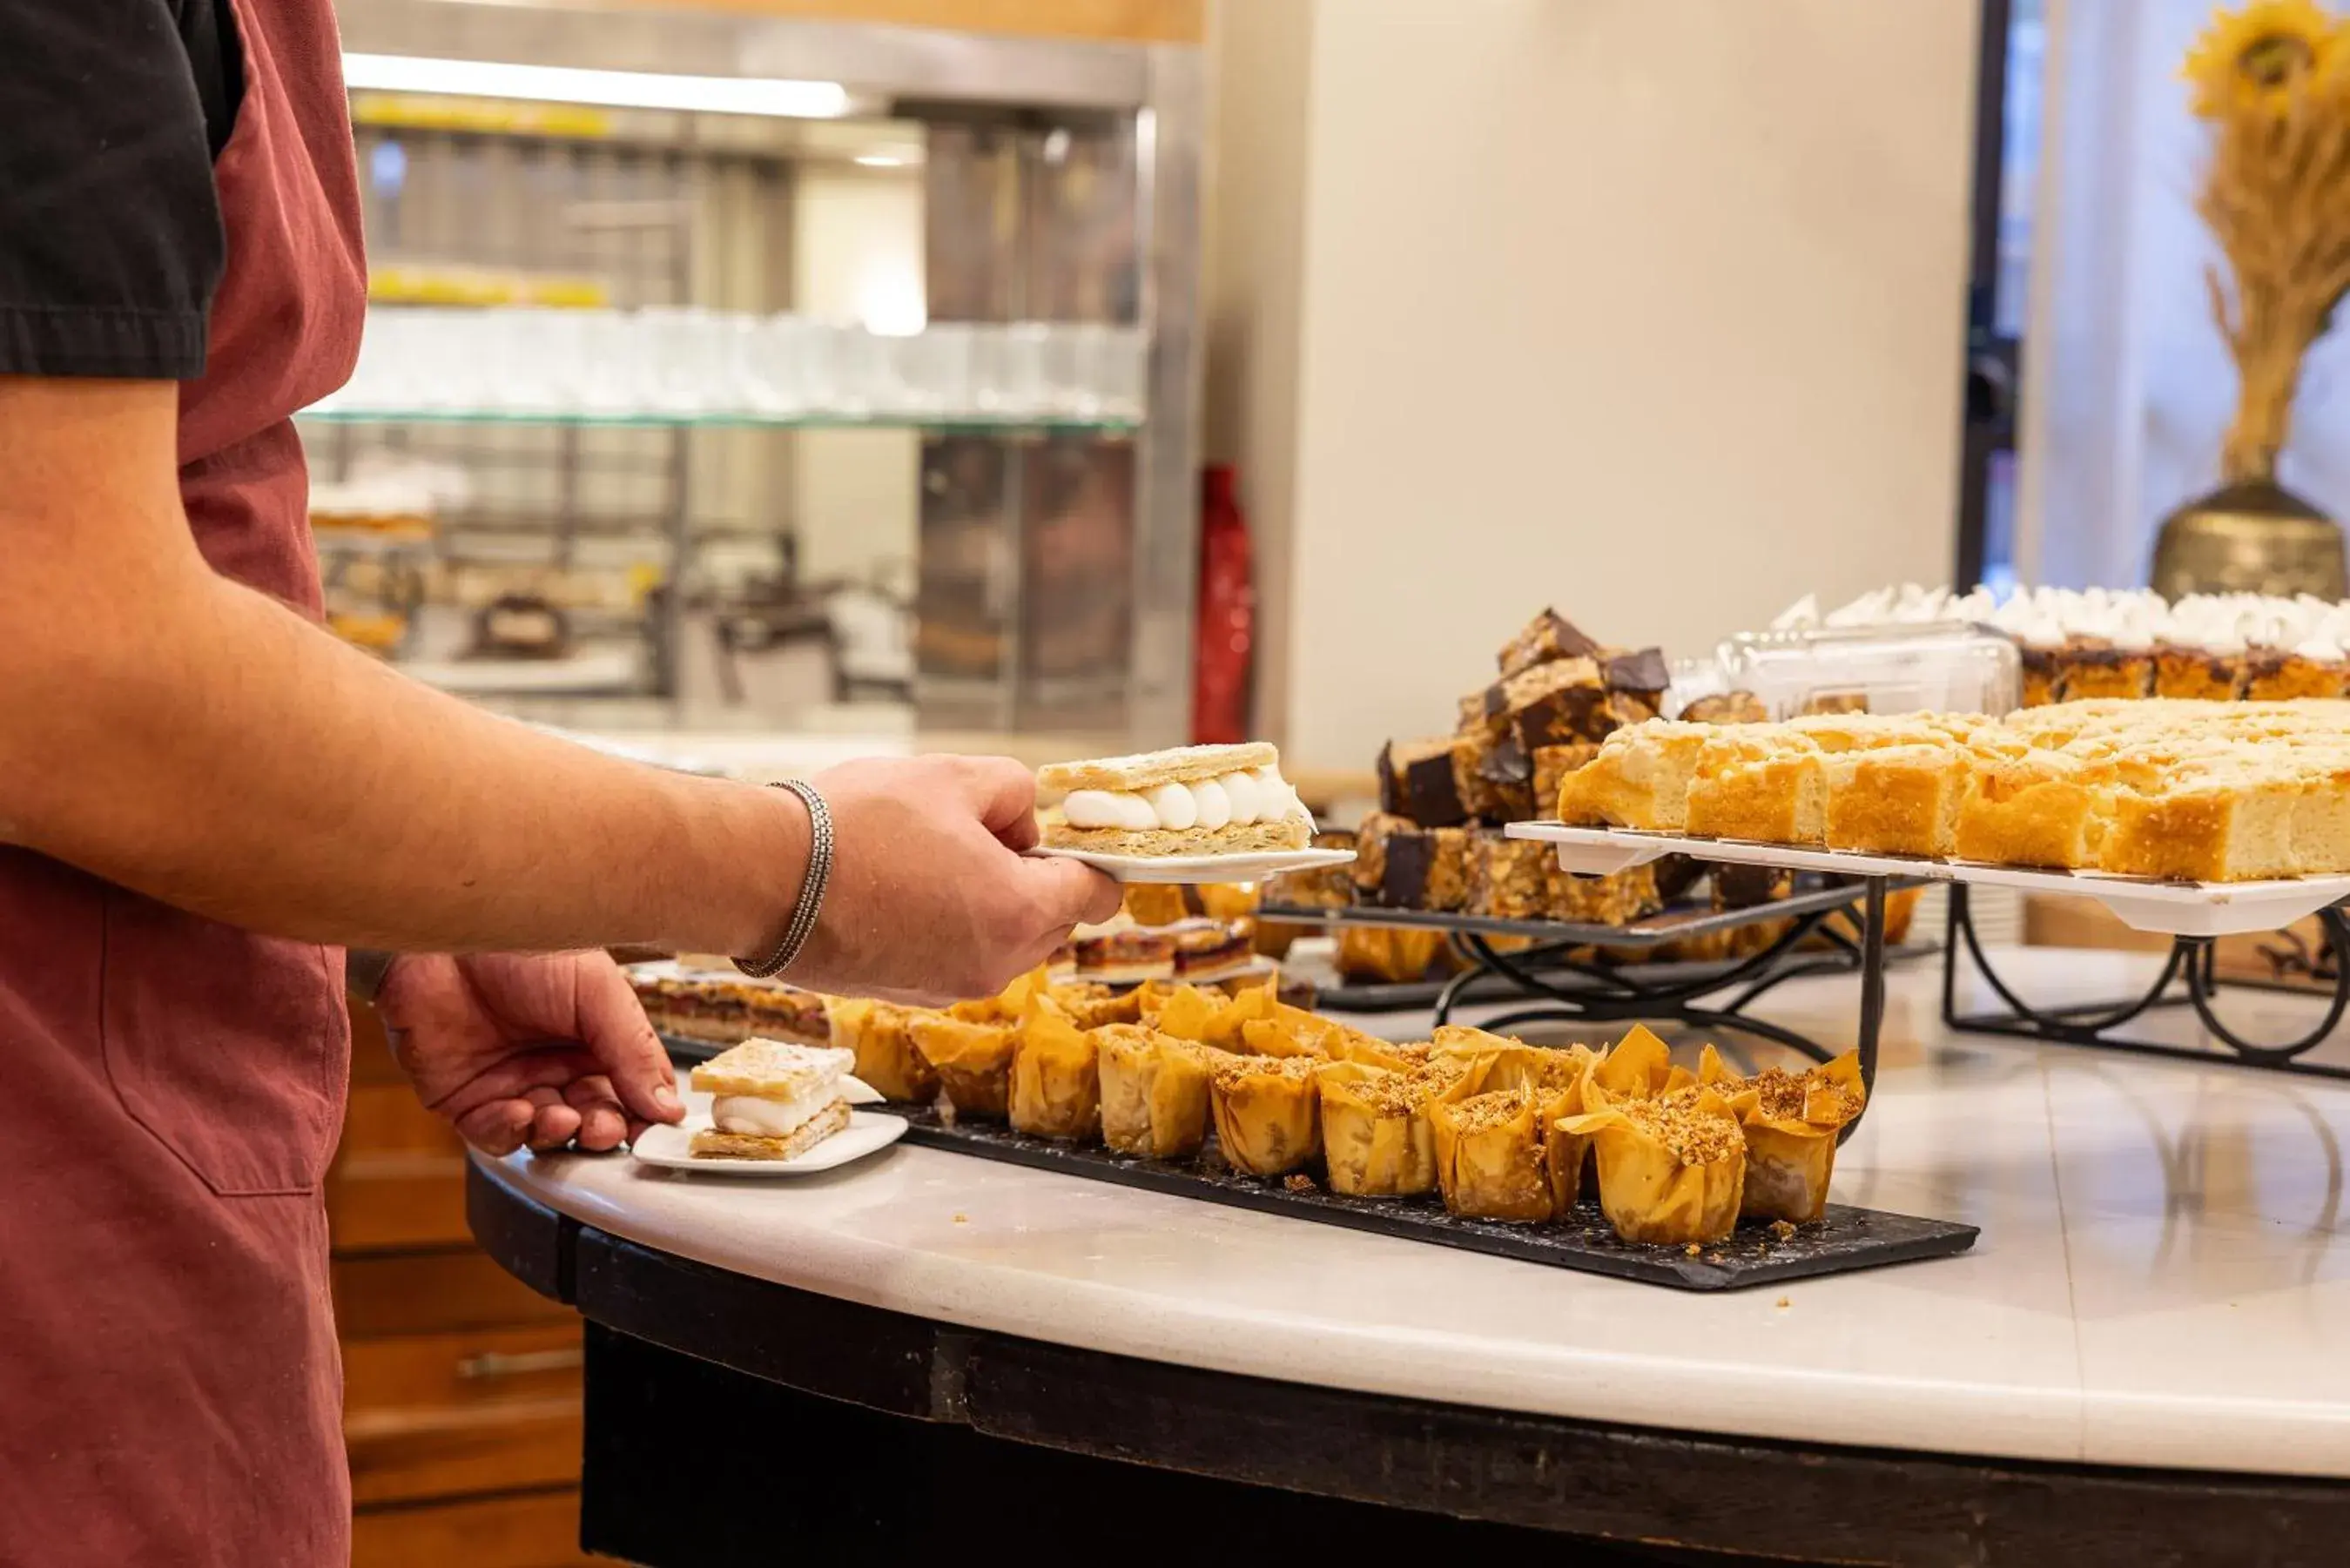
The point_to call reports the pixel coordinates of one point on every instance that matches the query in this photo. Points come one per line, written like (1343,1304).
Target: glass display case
(866,396)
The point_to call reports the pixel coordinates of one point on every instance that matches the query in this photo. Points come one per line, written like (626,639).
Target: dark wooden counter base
(699,1383)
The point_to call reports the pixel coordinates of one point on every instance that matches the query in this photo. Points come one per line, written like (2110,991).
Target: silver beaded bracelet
(812,886)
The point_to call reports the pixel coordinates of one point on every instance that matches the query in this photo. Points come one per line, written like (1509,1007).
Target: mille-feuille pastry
(1154,1091)
(1549,636)
(1726,708)
(1377,1137)
(1192,800)
(972,1062)
(1509,879)
(726,1009)
(1268,1117)
(877,1035)
(1672,1170)
(1640,779)
(1791,1122)
(772,1099)
(1418,782)
(1895,800)
(1055,1075)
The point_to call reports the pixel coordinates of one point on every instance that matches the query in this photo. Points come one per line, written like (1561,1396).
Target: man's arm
(175,732)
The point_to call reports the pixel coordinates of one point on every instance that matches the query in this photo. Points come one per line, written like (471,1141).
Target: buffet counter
(2138,1354)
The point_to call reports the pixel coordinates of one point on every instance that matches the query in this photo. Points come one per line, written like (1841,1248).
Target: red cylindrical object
(1224,635)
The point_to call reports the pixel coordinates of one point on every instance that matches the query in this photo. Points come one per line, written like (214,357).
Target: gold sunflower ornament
(2271,82)
(2256,59)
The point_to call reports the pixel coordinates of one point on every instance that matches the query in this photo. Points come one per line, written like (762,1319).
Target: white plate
(2172,909)
(868,1132)
(1243,865)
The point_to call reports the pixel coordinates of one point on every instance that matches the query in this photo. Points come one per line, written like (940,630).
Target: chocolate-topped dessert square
(1549,636)
(1417,781)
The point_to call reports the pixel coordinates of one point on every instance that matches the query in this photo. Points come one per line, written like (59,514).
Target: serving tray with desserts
(1615,1161)
(2193,817)
(1438,885)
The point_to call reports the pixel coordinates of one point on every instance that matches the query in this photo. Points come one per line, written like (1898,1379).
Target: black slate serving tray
(1847,1240)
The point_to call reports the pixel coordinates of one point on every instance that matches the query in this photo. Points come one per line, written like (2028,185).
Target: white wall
(1650,308)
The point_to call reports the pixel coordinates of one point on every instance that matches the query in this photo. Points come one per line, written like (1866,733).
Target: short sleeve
(110,235)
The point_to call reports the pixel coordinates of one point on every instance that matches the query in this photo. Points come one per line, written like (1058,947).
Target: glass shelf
(979,423)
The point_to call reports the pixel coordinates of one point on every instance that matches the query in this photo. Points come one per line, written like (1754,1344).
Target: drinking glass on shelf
(772,362)
(1121,372)
(1068,391)
(611,371)
(1010,383)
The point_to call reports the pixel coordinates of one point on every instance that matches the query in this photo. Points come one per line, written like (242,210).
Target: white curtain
(2127,387)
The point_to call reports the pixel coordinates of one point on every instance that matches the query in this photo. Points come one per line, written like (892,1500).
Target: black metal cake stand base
(2189,979)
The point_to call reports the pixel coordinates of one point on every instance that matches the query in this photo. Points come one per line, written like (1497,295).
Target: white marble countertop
(2161,1278)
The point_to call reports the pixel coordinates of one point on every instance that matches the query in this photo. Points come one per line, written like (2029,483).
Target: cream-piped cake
(2092,643)
(1192,800)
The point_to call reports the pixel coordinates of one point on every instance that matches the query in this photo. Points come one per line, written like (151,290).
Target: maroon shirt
(170,1387)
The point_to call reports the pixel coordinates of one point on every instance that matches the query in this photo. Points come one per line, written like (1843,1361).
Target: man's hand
(930,898)
(539,1048)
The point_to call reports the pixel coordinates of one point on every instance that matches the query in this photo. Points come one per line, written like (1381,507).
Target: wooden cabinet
(461,1385)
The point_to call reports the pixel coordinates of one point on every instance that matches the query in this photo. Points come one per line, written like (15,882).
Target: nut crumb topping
(1695,1136)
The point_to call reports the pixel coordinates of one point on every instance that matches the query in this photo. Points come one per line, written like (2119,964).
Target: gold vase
(2251,536)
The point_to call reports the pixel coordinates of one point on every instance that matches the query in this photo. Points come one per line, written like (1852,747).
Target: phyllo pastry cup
(973,1061)
(1268,1117)
(1554,1076)
(1640,1067)
(1376,1139)
(1791,1122)
(1671,1170)
(886,1058)
(1055,1075)
(1489,1157)
(1210,1017)
(1154,1091)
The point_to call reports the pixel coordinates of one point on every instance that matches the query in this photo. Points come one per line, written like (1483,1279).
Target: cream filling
(1236,799)
(750,1115)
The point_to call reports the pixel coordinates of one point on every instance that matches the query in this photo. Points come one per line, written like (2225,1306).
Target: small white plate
(1243,866)
(868,1132)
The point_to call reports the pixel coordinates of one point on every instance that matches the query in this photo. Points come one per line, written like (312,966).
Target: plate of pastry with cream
(1191,814)
(773,1108)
